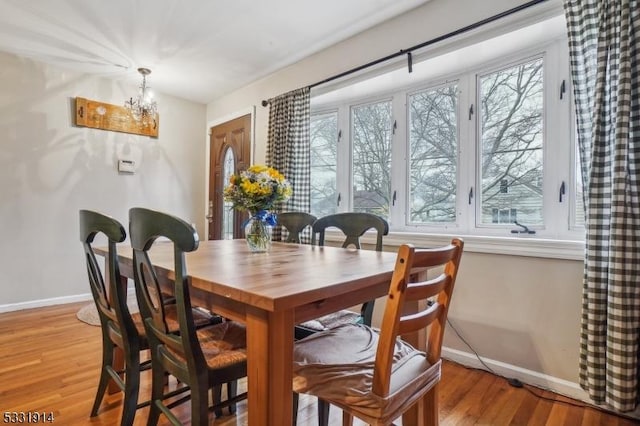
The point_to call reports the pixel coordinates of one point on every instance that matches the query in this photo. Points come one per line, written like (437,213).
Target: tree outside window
(324,147)
(372,132)
(433,146)
(511,137)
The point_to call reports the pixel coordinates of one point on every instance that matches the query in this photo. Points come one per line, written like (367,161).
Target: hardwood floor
(49,362)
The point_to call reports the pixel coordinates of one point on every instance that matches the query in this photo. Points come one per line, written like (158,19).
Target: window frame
(498,228)
(350,107)
(435,226)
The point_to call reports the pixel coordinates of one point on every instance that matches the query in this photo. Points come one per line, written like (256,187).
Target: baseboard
(10,307)
(534,378)
(530,377)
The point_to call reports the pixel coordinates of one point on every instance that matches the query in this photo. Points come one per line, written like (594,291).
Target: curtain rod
(424,44)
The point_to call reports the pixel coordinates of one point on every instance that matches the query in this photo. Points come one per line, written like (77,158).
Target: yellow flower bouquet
(257,190)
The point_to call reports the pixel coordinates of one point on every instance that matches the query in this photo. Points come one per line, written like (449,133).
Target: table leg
(118,364)
(269,363)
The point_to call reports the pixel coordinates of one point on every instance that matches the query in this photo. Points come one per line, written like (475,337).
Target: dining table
(270,293)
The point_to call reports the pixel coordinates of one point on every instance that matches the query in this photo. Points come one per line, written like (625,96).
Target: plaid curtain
(289,147)
(603,43)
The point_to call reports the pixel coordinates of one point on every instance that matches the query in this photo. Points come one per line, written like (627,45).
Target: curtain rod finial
(265,103)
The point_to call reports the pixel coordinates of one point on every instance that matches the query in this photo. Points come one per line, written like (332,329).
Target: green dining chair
(204,358)
(120,329)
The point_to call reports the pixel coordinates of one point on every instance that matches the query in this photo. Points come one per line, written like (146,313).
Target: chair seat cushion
(201,318)
(223,344)
(337,365)
(333,320)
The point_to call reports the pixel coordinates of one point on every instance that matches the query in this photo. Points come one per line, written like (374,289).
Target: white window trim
(512,246)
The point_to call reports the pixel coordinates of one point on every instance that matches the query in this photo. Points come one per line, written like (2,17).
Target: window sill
(511,246)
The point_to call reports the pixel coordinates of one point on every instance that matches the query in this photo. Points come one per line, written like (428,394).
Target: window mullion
(399,168)
(557,152)
(467,155)
(344,159)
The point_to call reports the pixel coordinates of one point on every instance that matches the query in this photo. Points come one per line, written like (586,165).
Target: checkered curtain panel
(604,51)
(288,147)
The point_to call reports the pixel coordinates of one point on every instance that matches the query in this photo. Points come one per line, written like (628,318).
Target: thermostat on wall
(126,166)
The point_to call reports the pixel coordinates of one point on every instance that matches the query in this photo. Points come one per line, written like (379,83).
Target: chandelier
(142,107)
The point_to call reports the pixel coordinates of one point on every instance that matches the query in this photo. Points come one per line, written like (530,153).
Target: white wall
(49,169)
(521,312)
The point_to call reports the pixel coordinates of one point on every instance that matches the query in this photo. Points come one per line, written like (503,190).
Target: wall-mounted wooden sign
(100,115)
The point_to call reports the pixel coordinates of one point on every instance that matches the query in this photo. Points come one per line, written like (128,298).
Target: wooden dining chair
(372,374)
(120,329)
(353,225)
(295,223)
(204,358)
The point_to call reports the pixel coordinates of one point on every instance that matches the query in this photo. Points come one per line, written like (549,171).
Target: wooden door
(231,141)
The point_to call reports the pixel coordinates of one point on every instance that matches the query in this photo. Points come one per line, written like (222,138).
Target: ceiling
(197,49)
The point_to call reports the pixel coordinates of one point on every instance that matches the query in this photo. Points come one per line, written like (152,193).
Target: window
(371,130)
(511,141)
(504,186)
(504,215)
(433,154)
(324,145)
(578,200)
(467,144)
(228,169)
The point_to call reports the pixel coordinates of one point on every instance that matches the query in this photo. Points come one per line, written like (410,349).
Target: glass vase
(257,232)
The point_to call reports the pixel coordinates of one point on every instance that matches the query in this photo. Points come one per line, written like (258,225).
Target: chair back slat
(295,223)
(426,289)
(432,257)
(148,289)
(96,284)
(353,225)
(414,322)
(396,322)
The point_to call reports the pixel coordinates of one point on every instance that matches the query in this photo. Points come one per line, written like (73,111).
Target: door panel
(234,135)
